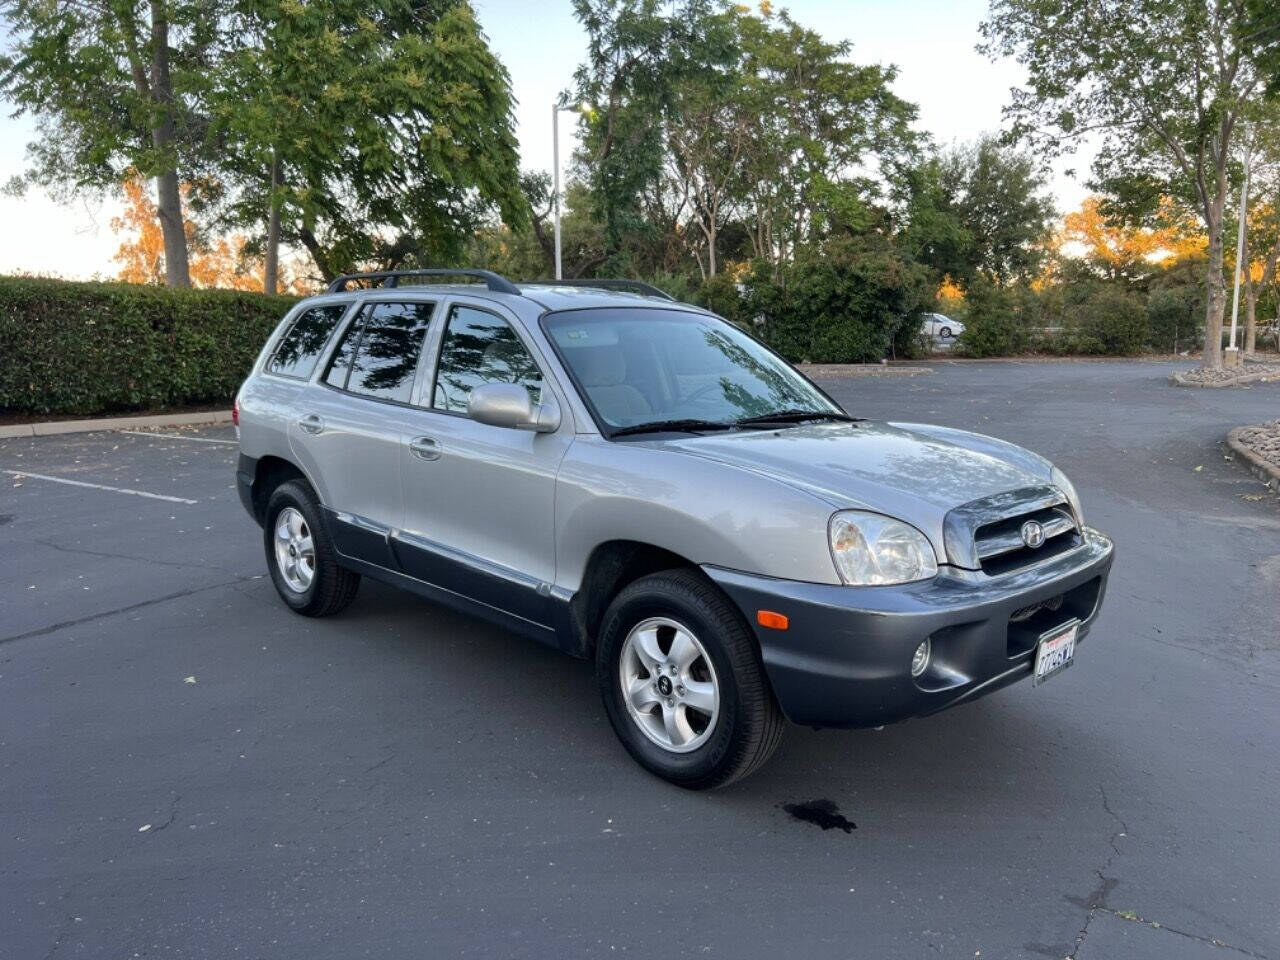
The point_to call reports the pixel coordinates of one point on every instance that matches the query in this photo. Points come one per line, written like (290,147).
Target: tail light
(235,412)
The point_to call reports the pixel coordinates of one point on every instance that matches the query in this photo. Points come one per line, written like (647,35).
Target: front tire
(945,333)
(682,683)
(300,554)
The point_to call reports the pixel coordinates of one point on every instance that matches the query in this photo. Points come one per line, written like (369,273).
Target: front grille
(1000,547)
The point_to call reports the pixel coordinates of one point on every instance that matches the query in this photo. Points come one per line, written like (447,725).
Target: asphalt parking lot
(187,769)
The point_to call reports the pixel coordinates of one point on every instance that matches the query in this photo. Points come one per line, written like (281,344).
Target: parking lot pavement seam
(107,555)
(178,595)
(1096,902)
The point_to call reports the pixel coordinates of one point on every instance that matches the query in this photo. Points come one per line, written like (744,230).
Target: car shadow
(540,710)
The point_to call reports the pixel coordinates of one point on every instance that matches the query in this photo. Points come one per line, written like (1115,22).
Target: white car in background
(941,327)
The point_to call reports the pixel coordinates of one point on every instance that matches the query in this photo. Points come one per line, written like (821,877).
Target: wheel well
(610,568)
(270,473)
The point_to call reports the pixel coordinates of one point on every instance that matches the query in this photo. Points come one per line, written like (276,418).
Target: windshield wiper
(796,416)
(674,426)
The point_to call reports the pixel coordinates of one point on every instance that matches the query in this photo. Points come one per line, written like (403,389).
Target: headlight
(1062,483)
(871,550)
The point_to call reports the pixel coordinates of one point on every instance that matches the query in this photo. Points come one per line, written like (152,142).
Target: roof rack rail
(391,278)
(634,286)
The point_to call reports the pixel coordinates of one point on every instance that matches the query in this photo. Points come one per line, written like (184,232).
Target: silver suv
(636,480)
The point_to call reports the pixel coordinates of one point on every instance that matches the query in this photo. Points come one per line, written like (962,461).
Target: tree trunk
(1216,299)
(271,264)
(319,255)
(168,194)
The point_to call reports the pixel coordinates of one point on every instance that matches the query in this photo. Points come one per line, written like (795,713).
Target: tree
(115,88)
(1262,224)
(977,209)
(1164,83)
(218,262)
(706,115)
(369,133)
(826,138)
(1124,251)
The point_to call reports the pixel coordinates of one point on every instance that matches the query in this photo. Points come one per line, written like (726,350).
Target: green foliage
(391,123)
(1175,309)
(720,294)
(845,304)
(978,209)
(1173,320)
(71,66)
(87,348)
(705,117)
(1164,87)
(994,326)
(1107,319)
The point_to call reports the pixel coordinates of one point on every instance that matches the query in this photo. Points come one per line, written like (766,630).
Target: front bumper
(844,660)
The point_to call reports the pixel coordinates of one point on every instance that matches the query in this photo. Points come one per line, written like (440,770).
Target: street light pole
(555,150)
(1244,213)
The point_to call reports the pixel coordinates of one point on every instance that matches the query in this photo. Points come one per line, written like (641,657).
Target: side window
(480,347)
(340,364)
(387,357)
(302,345)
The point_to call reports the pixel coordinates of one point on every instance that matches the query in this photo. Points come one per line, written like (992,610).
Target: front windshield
(639,366)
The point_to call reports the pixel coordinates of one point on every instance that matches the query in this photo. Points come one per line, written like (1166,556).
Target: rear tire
(699,711)
(945,333)
(300,554)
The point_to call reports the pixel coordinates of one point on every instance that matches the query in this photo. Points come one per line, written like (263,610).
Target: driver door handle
(311,424)
(425,448)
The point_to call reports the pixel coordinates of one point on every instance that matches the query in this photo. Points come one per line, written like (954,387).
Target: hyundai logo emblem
(1033,534)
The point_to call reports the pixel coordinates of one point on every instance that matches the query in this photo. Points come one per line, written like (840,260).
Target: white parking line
(178,436)
(97,486)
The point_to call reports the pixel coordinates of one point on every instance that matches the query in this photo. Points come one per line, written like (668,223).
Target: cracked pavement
(402,781)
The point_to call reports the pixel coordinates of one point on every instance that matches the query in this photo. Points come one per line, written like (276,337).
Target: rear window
(389,350)
(302,345)
(378,354)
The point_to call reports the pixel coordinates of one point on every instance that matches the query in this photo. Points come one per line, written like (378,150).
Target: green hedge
(86,348)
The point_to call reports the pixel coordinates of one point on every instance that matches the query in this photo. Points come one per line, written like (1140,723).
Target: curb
(819,370)
(1263,470)
(1177,380)
(52,427)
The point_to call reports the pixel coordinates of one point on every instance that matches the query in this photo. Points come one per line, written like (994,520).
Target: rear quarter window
(301,347)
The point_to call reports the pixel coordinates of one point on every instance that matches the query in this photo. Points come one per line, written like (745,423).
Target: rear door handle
(425,448)
(311,424)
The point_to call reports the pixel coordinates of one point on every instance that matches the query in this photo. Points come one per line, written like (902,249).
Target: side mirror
(509,405)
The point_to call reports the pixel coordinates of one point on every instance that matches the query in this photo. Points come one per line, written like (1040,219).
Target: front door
(479,499)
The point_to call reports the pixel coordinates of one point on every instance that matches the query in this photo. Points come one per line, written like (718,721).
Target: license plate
(1054,652)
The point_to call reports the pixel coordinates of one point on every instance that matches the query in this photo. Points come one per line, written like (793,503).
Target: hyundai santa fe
(638,481)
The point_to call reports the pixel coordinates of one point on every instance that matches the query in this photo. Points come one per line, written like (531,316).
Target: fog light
(920,659)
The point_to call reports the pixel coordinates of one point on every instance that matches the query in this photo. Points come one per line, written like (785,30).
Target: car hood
(914,472)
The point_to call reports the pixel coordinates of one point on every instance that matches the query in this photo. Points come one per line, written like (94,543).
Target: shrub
(720,294)
(1110,320)
(849,304)
(994,326)
(86,348)
(1176,318)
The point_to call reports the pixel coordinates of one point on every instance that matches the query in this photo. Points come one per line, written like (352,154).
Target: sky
(959,92)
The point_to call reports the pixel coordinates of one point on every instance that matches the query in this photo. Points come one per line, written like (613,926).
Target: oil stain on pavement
(821,813)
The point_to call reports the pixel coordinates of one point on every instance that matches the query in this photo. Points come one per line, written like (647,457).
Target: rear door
(352,422)
(480,499)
